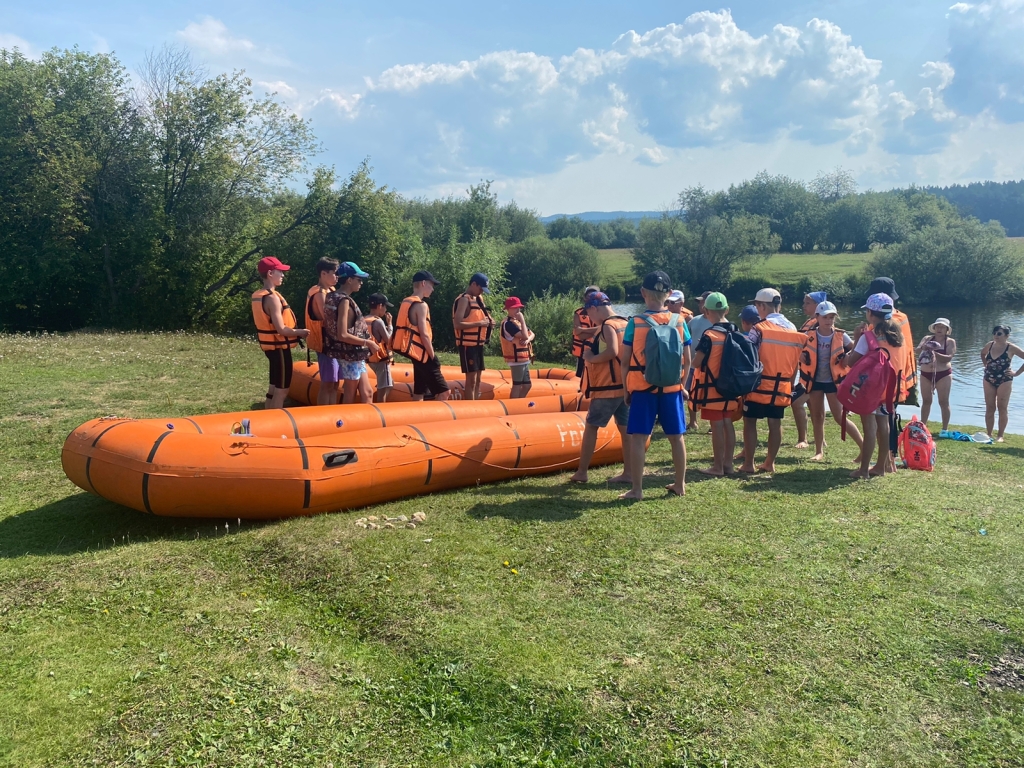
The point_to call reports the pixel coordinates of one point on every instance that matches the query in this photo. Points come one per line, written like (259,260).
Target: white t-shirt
(862,344)
(823,373)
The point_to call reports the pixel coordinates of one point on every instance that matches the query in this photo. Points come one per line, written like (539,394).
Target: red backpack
(871,382)
(917,448)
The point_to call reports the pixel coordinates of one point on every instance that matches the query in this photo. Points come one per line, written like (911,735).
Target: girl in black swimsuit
(998,356)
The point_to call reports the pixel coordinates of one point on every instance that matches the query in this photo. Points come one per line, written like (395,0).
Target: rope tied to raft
(467,457)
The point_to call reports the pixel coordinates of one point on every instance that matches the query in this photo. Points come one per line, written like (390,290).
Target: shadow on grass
(551,504)
(1017,453)
(84,522)
(810,480)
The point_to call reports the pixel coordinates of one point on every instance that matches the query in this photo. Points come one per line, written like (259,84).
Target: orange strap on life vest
(898,357)
(476,311)
(383,353)
(266,334)
(809,359)
(604,380)
(703,393)
(810,324)
(909,369)
(635,381)
(511,349)
(578,343)
(780,353)
(406,339)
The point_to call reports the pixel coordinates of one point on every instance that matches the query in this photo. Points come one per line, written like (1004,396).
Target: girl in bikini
(935,363)
(998,356)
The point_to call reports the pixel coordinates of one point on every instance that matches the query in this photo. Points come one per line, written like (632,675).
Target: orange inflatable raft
(494,384)
(323,459)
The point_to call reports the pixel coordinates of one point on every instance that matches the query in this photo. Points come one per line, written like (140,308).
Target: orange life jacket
(898,357)
(476,312)
(511,349)
(635,381)
(809,359)
(406,339)
(703,394)
(909,370)
(779,352)
(383,354)
(578,343)
(810,324)
(685,314)
(315,325)
(266,334)
(604,380)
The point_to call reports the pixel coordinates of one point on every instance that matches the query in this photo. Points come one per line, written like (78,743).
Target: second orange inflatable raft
(323,459)
(494,384)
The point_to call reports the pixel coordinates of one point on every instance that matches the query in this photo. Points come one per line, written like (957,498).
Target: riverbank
(802,620)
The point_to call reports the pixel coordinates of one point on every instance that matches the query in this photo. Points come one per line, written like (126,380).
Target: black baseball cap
(376,299)
(658,281)
(884,285)
(481,279)
(422,275)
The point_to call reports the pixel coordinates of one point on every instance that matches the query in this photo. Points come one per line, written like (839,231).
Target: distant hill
(603,216)
(989,200)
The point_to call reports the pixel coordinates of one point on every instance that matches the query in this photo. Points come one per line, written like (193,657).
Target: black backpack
(741,369)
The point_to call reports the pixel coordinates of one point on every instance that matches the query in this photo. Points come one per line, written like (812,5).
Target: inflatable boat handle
(339,458)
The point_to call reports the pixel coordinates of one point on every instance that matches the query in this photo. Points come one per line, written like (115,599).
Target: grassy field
(804,620)
(781,268)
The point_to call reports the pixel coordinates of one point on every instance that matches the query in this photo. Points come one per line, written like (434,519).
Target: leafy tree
(700,249)
(794,213)
(538,265)
(959,260)
(832,186)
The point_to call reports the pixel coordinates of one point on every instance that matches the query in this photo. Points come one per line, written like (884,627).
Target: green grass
(780,268)
(801,621)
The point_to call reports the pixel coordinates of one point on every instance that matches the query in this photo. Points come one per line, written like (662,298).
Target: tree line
(146,204)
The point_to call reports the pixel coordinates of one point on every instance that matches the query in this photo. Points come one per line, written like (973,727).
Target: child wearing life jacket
(380,361)
(779,345)
(650,402)
(473,323)
(413,338)
(707,367)
(822,367)
(315,296)
(603,384)
(583,331)
(517,347)
(347,338)
(810,305)
(879,313)
(275,329)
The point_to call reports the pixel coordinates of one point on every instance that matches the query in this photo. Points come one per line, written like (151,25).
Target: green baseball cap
(716,301)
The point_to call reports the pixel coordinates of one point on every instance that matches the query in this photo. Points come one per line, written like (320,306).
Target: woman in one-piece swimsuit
(998,357)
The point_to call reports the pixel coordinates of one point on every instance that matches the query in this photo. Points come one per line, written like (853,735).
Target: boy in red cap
(517,347)
(275,329)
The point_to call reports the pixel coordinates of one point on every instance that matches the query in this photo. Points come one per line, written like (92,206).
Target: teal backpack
(663,351)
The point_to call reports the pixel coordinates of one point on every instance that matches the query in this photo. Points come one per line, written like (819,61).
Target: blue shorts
(667,408)
(328,368)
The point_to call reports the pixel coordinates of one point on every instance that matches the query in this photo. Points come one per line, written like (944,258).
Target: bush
(616,292)
(538,265)
(959,260)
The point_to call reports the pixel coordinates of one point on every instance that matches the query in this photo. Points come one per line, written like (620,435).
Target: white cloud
(281,88)
(985,50)
(10,42)
(212,36)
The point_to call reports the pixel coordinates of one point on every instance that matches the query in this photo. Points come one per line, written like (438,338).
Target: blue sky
(605,106)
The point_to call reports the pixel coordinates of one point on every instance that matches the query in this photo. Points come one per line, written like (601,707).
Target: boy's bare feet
(622,477)
(580,477)
(818,457)
(632,496)
(674,490)
(712,472)
(747,469)
(766,469)
(802,444)
(858,475)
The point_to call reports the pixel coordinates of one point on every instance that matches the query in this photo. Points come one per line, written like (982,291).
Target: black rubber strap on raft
(88,474)
(503,406)
(455,416)
(295,426)
(145,493)
(101,434)
(198,428)
(426,445)
(383,421)
(519,456)
(305,456)
(156,446)
(306,493)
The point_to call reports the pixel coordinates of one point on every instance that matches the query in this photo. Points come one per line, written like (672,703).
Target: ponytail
(884,326)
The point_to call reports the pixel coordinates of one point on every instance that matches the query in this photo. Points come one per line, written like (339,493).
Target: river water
(972,329)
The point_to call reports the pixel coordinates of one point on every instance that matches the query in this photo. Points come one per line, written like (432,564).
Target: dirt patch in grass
(1007,674)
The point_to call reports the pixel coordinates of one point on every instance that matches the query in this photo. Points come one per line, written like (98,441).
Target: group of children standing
(349,345)
(787,366)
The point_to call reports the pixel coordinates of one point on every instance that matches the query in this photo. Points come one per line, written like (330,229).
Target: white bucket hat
(827,308)
(940,321)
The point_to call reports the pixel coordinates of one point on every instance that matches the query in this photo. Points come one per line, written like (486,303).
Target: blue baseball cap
(481,279)
(350,269)
(749,314)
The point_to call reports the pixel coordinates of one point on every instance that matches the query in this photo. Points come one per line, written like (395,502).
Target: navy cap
(422,275)
(481,279)
(884,285)
(750,314)
(658,281)
(376,299)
